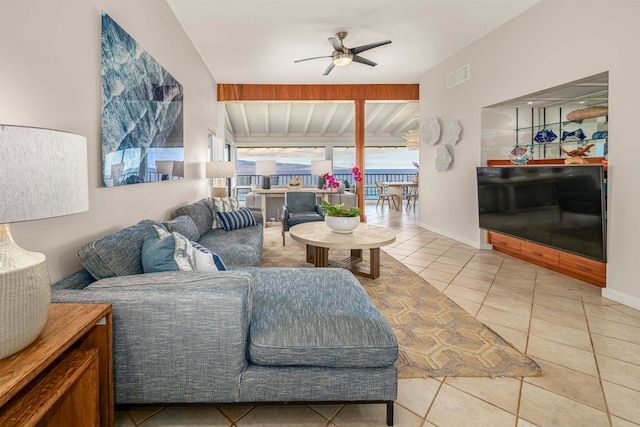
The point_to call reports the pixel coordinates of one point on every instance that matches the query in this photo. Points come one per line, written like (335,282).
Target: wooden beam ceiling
(368,92)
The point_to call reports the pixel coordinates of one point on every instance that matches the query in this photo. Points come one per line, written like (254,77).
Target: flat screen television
(559,206)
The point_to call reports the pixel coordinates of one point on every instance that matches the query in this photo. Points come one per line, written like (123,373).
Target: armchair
(299,207)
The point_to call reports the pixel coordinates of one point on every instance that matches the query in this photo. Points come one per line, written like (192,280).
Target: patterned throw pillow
(164,251)
(236,219)
(222,204)
(207,260)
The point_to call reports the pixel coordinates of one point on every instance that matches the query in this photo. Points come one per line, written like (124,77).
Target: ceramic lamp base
(219,192)
(25,295)
(266,182)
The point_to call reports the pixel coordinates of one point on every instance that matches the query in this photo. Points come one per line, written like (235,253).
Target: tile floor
(588,347)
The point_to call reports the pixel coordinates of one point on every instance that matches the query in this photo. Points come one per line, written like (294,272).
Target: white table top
(399,183)
(365,236)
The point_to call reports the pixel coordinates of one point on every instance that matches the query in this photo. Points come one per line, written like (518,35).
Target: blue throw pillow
(207,260)
(164,251)
(236,219)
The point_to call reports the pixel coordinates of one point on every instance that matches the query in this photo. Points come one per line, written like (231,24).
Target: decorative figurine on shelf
(520,155)
(295,182)
(545,136)
(575,156)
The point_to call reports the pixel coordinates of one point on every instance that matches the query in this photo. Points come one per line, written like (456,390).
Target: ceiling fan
(343,55)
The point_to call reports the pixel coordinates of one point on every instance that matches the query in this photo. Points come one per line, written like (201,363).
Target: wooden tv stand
(585,269)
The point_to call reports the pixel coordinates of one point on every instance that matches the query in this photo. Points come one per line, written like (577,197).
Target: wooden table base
(319,257)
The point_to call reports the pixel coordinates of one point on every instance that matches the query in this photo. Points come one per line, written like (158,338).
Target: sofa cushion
(164,251)
(207,260)
(299,218)
(233,220)
(238,247)
(184,225)
(201,214)
(222,204)
(118,254)
(316,317)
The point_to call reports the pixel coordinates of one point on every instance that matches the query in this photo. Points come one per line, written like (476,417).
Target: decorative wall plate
(451,132)
(431,131)
(444,158)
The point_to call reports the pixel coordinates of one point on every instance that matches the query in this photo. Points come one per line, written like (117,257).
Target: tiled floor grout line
(595,360)
(433,401)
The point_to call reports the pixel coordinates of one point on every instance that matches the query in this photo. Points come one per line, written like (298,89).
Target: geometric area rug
(436,337)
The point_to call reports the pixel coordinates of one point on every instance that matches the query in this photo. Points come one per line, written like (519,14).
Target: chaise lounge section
(245,335)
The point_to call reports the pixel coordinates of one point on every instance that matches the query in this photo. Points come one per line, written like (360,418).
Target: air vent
(458,76)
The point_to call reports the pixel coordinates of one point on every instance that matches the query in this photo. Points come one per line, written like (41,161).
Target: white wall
(555,42)
(50,77)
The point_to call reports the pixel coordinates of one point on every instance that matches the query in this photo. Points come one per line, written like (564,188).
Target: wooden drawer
(540,253)
(584,266)
(502,242)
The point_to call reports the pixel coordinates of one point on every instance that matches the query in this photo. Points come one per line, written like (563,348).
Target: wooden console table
(65,377)
(279,192)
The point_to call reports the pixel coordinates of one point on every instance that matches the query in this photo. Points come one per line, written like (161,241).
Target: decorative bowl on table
(342,224)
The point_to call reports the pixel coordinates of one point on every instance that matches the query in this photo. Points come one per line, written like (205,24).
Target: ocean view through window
(382,163)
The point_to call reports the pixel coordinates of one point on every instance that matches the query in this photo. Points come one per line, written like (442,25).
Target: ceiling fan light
(342,58)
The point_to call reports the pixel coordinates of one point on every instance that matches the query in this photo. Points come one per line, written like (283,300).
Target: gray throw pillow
(118,254)
(201,214)
(184,225)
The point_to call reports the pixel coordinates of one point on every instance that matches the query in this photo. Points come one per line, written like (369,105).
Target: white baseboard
(622,298)
(476,245)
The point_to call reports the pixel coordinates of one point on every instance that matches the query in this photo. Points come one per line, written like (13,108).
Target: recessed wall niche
(519,121)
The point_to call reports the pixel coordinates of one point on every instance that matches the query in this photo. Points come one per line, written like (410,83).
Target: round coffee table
(319,239)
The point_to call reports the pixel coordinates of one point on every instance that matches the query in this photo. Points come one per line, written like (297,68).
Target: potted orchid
(337,217)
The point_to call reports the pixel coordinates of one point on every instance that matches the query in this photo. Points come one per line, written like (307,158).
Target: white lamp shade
(178,169)
(43,173)
(265,167)
(221,170)
(320,167)
(164,167)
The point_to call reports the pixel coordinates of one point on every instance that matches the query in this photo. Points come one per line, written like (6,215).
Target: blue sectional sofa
(245,335)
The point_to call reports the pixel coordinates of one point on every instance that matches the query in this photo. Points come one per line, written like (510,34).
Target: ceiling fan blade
(335,43)
(328,70)
(309,59)
(362,60)
(360,49)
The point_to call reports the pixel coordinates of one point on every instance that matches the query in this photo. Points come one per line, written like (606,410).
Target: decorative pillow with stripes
(222,204)
(236,219)
(206,259)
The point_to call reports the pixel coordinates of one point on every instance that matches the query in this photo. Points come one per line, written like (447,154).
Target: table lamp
(319,168)
(266,168)
(220,170)
(43,174)
(164,168)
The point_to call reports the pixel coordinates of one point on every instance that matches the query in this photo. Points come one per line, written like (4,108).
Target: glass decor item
(545,136)
(520,155)
(576,135)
